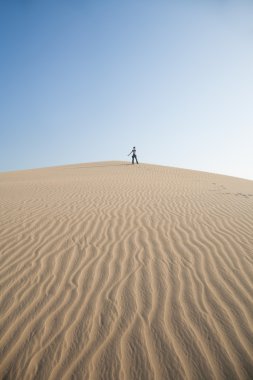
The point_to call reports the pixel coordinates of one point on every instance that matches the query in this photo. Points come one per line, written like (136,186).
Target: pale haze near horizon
(87,81)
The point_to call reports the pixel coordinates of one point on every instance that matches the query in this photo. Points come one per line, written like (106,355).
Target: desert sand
(116,271)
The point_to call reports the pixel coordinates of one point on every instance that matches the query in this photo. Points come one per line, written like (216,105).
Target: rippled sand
(114,271)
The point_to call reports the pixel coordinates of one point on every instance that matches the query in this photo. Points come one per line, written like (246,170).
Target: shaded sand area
(114,271)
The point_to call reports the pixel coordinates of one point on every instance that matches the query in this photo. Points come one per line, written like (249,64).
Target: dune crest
(114,271)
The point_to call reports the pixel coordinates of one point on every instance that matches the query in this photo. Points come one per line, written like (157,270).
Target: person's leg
(136,160)
(132,160)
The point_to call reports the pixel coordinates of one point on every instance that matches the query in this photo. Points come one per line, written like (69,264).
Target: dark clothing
(134,157)
(133,152)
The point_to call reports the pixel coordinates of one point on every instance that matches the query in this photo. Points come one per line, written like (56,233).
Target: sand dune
(114,271)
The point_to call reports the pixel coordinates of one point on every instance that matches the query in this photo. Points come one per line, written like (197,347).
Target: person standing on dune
(133,152)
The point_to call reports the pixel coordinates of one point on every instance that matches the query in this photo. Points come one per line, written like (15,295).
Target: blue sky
(84,81)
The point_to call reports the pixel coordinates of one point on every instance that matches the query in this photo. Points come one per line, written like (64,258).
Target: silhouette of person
(133,152)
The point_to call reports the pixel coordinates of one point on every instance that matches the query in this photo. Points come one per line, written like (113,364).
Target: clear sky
(84,81)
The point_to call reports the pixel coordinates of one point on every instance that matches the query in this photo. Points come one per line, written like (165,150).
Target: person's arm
(130,153)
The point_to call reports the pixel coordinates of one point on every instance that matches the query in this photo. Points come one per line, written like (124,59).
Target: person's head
(134,147)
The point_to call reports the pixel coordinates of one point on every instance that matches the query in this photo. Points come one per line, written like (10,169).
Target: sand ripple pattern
(113,271)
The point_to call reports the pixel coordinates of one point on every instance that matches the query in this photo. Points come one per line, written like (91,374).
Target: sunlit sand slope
(114,271)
